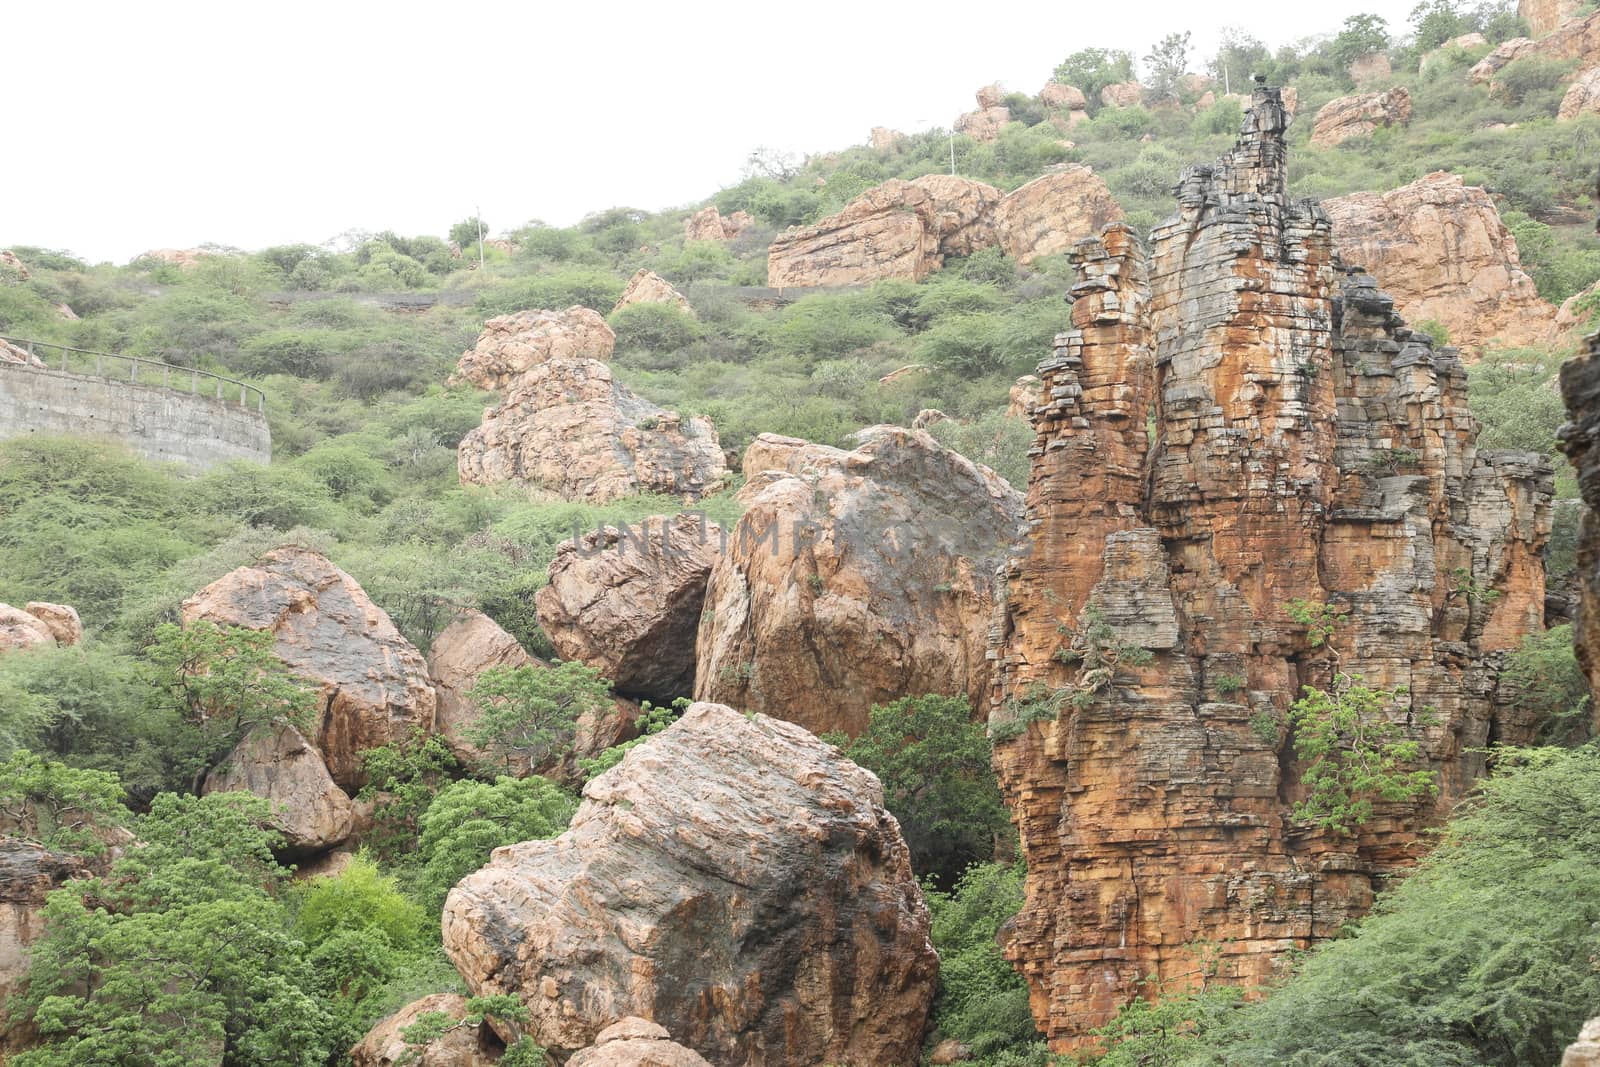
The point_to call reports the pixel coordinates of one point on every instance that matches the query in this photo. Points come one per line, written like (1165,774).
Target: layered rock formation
(709,224)
(1577,39)
(626,601)
(648,287)
(474,643)
(854,577)
(1022,397)
(636,1042)
(906,229)
(677,897)
(1308,447)
(1443,254)
(372,683)
(512,345)
(1582,96)
(1048,215)
(312,813)
(1358,116)
(1543,16)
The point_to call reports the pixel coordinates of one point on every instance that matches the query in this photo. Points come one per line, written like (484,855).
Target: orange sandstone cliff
(1232,423)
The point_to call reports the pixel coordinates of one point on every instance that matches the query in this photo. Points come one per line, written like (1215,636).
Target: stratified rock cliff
(1307,446)
(1580,388)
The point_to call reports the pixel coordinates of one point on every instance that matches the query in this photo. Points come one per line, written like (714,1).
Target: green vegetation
(526,712)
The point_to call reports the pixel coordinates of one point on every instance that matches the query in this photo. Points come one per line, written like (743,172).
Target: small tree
(58,806)
(1362,35)
(468,820)
(466,232)
(529,712)
(217,684)
(1166,64)
(1092,69)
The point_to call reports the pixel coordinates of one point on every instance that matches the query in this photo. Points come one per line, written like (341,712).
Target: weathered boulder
(1443,254)
(568,428)
(648,287)
(1569,315)
(1582,96)
(60,619)
(899,229)
(983,125)
(709,224)
(1543,16)
(883,139)
(1584,1052)
(12,267)
(512,345)
(184,258)
(990,95)
(1308,445)
(626,601)
(929,417)
(1050,214)
(1122,94)
(734,879)
(462,1045)
(1577,39)
(373,687)
(1373,67)
(636,1042)
(854,578)
(1026,392)
(28,872)
(1063,97)
(1467,42)
(312,813)
(474,643)
(21,629)
(10,353)
(1358,116)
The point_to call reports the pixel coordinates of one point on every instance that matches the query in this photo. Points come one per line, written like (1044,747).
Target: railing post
(99,365)
(133,370)
(194,380)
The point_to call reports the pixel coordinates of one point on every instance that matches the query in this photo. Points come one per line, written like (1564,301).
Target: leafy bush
(653,327)
(527,714)
(470,819)
(57,806)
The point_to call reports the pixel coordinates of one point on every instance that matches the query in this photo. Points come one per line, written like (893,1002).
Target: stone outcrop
(312,813)
(899,229)
(1569,316)
(1063,97)
(854,578)
(906,229)
(1050,214)
(983,125)
(626,601)
(1576,39)
(568,428)
(1543,16)
(372,683)
(636,1042)
(709,224)
(648,287)
(1443,254)
(12,268)
(461,1045)
(677,896)
(883,139)
(10,353)
(1122,94)
(1370,68)
(28,873)
(183,258)
(1580,388)
(512,345)
(20,629)
(1582,96)
(1584,1052)
(1467,42)
(1023,396)
(1358,116)
(474,643)
(1308,446)
(60,619)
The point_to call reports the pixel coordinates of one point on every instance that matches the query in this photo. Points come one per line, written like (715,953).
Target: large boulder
(512,345)
(1582,96)
(372,683)
(1358,116)
(1467,42)
(735,880)
(1372,67)
(636,1042)
(10,353)
(461,1045)
(854,578)
(1439,248)
(1575,39)
(899,229)
(11,267)
(1584,1052)
(626,601)
(648,287)
(1050,214)
(709,224)
(474,643)
(1063,97)
(983,125)
(60,619)
(1543,16)
(20,629)
(1122,94)
(311,812)
(568,428)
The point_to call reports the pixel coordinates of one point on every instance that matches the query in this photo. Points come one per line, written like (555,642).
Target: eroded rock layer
(1308,446)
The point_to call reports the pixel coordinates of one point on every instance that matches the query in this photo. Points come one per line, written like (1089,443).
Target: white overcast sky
(143,124)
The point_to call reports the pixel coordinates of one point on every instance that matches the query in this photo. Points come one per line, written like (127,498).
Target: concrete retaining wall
(159,424)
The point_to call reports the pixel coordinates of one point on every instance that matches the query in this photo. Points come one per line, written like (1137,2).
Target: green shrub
(654,327)
(469,819)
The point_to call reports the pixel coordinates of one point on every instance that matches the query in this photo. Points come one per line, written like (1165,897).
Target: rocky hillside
(1099,573)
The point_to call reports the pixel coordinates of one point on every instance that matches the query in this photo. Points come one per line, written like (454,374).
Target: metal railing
(140,371)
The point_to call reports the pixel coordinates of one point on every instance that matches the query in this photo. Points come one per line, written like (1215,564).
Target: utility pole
(477,216)
(952,151)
